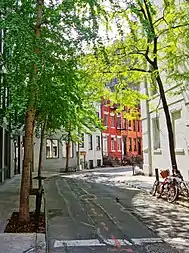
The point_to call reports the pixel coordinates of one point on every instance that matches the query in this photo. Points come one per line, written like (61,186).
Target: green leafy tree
(145,52)
(43,42)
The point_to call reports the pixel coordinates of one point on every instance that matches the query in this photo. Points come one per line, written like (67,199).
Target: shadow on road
(169,221)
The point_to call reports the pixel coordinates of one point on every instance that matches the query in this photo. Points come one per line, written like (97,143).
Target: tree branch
(144,54)
(173,27)
(159,19)
(130,69)
(140,70)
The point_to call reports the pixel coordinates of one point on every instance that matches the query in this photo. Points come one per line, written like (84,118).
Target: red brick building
(121,139)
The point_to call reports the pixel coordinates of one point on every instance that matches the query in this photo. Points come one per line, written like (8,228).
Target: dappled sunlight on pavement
(169,221)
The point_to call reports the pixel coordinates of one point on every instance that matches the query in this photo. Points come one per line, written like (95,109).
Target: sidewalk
(9,203)
(144,183)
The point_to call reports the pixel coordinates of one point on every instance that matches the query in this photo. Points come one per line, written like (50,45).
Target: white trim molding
(105,112)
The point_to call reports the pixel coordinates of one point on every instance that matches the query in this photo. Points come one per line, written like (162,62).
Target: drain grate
(160,248)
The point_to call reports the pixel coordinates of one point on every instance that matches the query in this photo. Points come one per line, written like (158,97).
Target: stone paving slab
(22,243)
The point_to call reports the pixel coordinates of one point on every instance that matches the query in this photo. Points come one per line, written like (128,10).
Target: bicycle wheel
(160,190)
(154,188)
(172,193)
(185,190)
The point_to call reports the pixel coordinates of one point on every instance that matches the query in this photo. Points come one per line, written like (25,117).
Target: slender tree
(148,40)
(43,41)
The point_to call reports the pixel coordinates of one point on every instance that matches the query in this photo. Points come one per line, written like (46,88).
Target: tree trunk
(25,183)
(32,156)
(30,121)
(67,153)
(78,157)
(31,162)
(168,121)
(43,127)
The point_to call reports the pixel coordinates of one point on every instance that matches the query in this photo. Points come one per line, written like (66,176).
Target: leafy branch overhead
(60,85)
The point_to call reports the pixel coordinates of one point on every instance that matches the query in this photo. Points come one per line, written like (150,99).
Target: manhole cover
(160,248)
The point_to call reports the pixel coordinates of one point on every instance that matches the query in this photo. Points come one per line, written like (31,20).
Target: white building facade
(156,153)
(91,147)
(155,135)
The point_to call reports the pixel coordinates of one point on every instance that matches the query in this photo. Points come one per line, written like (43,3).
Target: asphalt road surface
(85,217)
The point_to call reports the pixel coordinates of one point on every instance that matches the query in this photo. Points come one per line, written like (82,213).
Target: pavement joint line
(106,242)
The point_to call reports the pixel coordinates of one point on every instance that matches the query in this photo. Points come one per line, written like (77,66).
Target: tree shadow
(169,221)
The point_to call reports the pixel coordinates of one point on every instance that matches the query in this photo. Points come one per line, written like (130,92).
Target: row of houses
(120,140)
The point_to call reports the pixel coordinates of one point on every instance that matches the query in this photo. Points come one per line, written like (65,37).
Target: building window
(82,141)
(130,125)
(125,124)
(119,122)
(176,116)
(112,121)
(139,146)
(105,120)
(98,142)
(135,144)
(134,125)
(91,164)
(90,141)
(119,144)
(98,163)
(52,149)
(105,145)
(156,133)
(112,144)
(130,144)
(71,150)
(138,126)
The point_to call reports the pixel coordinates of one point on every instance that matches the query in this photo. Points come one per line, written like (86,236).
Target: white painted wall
(94,154)
(161,157)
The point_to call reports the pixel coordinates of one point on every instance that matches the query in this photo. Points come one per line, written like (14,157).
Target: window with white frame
(98,142)
(112,144)
(112,121)
(64,149)
(90,141)
(105,120)
(129,125)
(176,116)
(125,123)
(134,125)
(135,144)
(105,145)
(52,149)
(130,144)
(156,133)
(138,126)
(119,122)
(119,144)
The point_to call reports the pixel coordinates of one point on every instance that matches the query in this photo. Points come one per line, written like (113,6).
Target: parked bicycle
(167,189)
(183,188)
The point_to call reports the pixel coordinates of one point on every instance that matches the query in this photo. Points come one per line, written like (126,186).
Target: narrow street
(86,217)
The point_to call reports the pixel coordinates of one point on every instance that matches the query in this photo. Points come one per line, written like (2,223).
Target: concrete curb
(178,202)
(46,224)
(45,210)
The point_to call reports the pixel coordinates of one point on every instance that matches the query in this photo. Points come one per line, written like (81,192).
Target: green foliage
(45,70)
(150,48)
